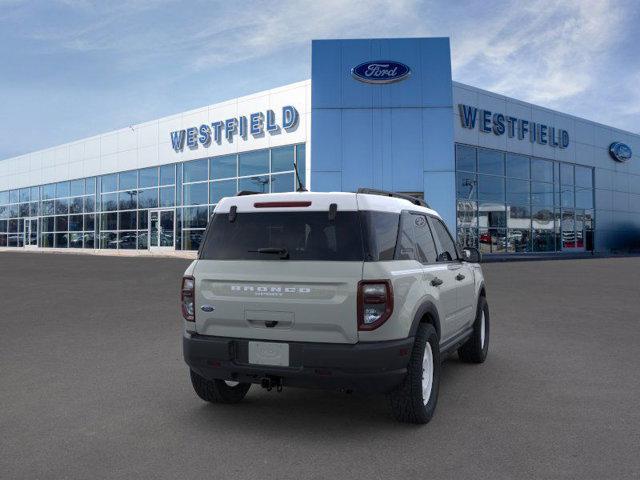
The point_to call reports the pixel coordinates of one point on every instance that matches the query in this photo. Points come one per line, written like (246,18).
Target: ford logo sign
(620,151)
(380,71)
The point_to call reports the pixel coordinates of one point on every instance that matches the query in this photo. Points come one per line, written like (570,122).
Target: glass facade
(510,203)
(167,206)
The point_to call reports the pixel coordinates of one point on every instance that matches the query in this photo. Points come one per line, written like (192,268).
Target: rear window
(276,235)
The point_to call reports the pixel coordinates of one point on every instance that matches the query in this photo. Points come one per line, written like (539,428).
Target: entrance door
(162,229)
(30,232)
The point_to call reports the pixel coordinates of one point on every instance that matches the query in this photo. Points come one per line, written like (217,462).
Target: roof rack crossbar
(385,193)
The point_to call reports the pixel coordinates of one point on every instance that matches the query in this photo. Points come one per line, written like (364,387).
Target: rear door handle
(460,277)
(436,282)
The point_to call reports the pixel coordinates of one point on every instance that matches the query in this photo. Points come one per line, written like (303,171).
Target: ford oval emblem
(380,71)
(620,151)
(207,308)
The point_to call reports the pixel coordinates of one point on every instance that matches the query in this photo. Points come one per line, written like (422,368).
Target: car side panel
(409,294)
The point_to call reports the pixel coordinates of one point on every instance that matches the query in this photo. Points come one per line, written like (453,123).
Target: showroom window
(166,206)
(510,203)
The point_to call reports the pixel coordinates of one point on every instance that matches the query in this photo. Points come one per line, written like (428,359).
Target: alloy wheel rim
(231,383)
(482,330)
(427,373)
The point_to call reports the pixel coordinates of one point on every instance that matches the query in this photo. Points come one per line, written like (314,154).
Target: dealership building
(507,176)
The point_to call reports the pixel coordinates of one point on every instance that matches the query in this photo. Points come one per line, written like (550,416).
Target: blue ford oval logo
(380,71)
(620,151)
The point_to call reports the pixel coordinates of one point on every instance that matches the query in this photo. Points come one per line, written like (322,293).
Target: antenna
(300,185)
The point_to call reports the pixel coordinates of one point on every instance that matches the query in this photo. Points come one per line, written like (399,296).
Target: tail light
(187,298)
(375,303)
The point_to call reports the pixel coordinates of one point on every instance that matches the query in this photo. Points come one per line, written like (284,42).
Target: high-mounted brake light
(375,303)
(281,204)
(187,298)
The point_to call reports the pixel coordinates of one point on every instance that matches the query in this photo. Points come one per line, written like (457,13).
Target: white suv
(354,291)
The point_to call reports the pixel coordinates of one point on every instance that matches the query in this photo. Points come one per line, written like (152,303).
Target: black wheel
(218,391)
(414,401)
(475,349)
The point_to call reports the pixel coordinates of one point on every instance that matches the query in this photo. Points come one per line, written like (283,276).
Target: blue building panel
(389,123)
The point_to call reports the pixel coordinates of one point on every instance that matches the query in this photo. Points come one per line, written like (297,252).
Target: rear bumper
(364,367)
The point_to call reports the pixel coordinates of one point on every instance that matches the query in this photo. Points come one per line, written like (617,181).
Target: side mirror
(471,254)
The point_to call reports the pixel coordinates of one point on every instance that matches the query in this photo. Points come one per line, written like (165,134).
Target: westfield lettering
(499,124)
(255,124)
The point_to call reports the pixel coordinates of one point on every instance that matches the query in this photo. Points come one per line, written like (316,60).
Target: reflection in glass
(196,194)
(517,166)
(466,186)
(128,180)
(517,191)
(148,198)
(62,223)
(491,188)
(282,183)
(108,240)
(61,240)
(541,193)
(490,161)
(192,239)
(282,159)
(195,217)
(75,240)
(541,170)
(519,240)
(519,217)
(566,174)
(167,175)
(109,183)
(89,240)
(148,177)
(127,240)
(252,163)
(62,206)
(75,223)
(492,240)
(127,200)
(167,195)
(109,202)
(128,220)
(225,188)
(465,158)
(259,184)
(195,170)
(492,215)
(223,167)
(76,205)
(568,228)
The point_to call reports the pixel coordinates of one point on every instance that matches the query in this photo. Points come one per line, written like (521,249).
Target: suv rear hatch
(275,269)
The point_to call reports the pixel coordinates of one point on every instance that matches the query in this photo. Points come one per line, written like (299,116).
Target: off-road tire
(475,349)
(217,391)
(406,401)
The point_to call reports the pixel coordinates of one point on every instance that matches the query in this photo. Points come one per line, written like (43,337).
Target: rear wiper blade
(283,252)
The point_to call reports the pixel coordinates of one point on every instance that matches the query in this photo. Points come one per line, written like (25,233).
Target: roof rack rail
(246,192)
(385,193)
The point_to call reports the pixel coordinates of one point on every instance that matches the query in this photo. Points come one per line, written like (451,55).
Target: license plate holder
(269,353)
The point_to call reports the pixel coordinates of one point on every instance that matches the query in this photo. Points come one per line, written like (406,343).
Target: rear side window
(424,240)
(302,235)
(446,247)
(414,240)
(380,232)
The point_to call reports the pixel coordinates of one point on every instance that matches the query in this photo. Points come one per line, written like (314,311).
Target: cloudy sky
(74,68)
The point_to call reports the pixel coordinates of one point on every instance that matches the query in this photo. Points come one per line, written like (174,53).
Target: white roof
(319,201)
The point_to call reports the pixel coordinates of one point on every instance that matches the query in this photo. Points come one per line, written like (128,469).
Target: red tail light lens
(187,298)
(375,303)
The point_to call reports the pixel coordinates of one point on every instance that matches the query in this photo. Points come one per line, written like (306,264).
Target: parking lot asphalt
(93,385)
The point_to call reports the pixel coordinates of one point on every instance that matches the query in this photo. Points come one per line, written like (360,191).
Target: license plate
(269,353)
